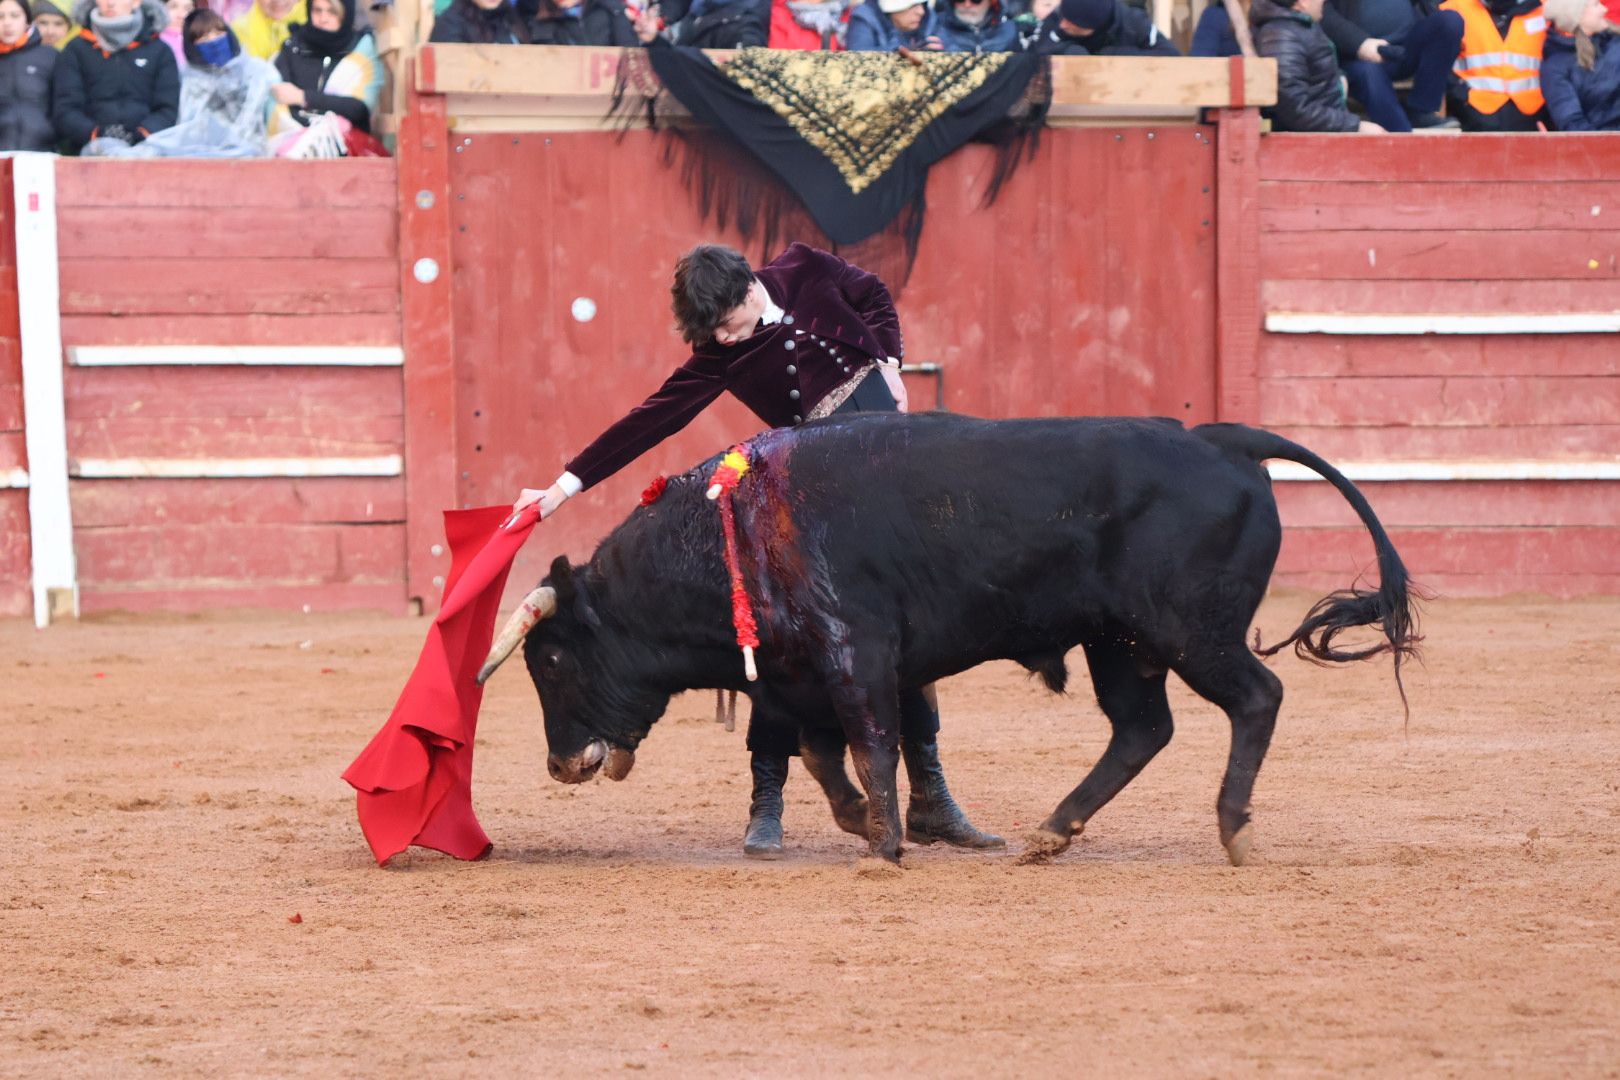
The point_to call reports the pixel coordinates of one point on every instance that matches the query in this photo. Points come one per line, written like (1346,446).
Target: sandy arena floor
(1442,900)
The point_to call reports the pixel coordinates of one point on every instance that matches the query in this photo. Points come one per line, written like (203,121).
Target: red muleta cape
(414,779)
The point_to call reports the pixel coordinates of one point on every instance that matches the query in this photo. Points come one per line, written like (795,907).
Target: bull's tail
(1392,607)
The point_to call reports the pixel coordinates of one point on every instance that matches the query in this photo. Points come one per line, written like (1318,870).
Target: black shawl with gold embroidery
(852,134)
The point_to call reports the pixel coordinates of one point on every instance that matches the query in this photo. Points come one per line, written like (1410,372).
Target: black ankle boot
(933,815)
(764,837)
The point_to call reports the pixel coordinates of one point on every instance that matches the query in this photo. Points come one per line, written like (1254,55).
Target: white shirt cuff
(570,484)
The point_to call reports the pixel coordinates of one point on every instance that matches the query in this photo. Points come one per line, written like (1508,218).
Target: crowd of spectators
(1478,65)
(1057,27)
(1343,65)
(144,78)
(241,78)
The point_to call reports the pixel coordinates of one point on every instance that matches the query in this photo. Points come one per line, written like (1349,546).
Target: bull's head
(596,710)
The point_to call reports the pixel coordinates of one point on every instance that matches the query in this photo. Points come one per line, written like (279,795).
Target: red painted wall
(233,253)
(16,589)
(1085,290)
(1482,224)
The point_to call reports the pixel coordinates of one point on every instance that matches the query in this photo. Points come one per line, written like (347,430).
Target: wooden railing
(568,88)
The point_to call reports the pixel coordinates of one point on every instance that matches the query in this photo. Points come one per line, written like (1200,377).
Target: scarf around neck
(115,34)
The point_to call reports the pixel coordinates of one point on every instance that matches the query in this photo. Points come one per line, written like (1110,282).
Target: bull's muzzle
(615,763)
(580,767)
(540,604)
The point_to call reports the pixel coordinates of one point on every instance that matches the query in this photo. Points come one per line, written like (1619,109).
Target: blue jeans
(1431,45)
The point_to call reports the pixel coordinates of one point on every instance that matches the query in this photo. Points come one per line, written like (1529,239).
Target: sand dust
(184,890)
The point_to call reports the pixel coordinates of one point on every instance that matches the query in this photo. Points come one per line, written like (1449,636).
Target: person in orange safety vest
(1496,84)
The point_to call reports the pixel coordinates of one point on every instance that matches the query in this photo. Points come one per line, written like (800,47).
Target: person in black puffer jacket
(26,64)
(1310,96)
(717,24)
(118,79)
(1100,28)
(309,56)
(482,22)
(590,22)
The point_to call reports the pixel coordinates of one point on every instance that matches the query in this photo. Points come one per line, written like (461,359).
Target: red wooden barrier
(1099,284)
(1085,290)
(16,595)
(1481,225)
(252,253)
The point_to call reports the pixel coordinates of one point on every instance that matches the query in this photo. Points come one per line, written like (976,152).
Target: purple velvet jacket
(833,313)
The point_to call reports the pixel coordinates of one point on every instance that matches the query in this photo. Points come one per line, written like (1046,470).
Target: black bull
(890,551)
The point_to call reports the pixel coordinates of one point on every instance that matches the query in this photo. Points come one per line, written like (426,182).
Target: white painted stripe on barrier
(237,355)
(234,468)
(1307,322)
(50,515)
(1395,471)
(13,478)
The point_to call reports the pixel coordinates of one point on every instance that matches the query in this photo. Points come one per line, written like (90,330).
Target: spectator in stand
(976,26)
(481,22)
(589,22)
(887,25)
(809,25)
(224,98)
(267,25)
(173,34)
(1101,28)
(26,64)
(1381,42)
(327,66)
(54,26)
(1581,73)
(1029,21)
(1214,35)
(116,80)
(709,24)
(1497,84)
(1310,91)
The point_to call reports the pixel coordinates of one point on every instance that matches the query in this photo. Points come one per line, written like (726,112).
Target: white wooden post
(38,302)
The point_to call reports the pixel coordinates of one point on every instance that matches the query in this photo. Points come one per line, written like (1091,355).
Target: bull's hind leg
(1250,694)
(1131,693)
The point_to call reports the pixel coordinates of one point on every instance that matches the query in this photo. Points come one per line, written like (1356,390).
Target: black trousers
(919,721)
(778,736)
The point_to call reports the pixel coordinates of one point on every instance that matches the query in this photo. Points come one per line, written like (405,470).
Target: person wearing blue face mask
(224,98)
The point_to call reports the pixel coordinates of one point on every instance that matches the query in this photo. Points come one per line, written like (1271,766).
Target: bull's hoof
(1042,845)
(1237,848)
(875,868)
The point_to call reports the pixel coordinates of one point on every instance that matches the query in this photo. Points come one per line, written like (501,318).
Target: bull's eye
(551,659)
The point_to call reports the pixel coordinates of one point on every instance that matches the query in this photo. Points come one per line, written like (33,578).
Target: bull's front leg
(869,711)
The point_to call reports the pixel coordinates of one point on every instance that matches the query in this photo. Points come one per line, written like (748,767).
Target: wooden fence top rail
(559,87)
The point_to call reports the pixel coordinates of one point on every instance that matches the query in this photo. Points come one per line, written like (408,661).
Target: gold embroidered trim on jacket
(840,393)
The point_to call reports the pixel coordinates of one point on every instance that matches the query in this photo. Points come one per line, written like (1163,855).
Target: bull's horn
(539,604)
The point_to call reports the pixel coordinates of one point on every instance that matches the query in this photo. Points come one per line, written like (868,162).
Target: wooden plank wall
(1084,290)
(1475,225)
(233,253)
(16,593)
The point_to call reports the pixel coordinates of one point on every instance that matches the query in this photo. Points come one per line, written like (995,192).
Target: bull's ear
(571,594)
(561,578)
(583,610)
